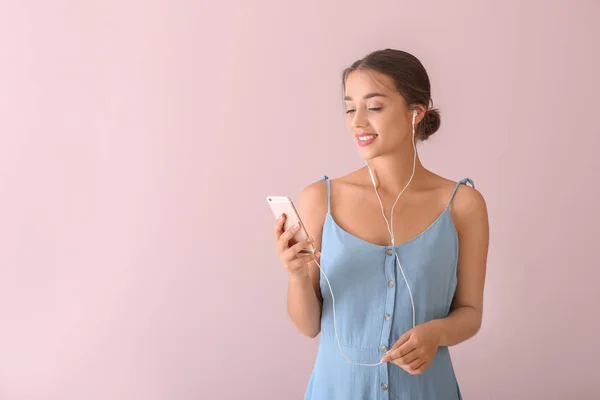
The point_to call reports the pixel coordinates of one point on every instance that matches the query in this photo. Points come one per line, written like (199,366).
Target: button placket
(390,298)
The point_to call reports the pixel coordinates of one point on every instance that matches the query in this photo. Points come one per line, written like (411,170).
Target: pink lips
(363,143)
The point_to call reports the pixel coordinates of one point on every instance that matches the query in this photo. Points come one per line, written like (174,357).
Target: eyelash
(370,109)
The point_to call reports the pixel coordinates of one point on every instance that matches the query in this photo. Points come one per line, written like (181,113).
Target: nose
(359,119)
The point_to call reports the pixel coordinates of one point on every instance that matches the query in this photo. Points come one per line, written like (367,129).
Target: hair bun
(430,123)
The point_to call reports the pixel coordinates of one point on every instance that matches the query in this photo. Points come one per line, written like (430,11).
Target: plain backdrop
(138,140)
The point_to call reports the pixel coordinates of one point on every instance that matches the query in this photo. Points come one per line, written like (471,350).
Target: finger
(403,339)
(419,369)
(414,362)
(302,261)
(295,249)
(407,348)
(278,229)
(408,359)
(287,235)
(400,351)
(284,239)
(396,356)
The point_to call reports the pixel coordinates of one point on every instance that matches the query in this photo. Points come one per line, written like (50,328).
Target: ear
(420,113)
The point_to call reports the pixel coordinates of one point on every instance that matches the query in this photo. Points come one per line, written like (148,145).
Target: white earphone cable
(391,231)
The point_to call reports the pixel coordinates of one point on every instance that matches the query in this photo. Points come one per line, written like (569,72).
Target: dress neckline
(431,226)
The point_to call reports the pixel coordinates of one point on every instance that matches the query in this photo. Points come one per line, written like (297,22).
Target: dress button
(384,386)
(387,317)
(389,252)
(384,349)
(390,283)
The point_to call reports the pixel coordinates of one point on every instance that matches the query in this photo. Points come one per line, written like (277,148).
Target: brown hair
(411,80)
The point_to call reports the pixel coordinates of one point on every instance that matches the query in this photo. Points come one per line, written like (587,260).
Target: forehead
(363,81)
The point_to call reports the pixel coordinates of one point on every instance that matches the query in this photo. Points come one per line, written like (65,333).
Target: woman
(403,250)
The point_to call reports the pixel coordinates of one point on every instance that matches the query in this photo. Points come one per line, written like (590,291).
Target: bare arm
(304,296)
(470,216)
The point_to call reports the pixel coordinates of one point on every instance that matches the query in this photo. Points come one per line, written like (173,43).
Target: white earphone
(390,227)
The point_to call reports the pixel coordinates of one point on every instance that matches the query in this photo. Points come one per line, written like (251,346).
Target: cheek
(394,124)
(384,124)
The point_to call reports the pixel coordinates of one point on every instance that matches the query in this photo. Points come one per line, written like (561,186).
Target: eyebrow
(366,96)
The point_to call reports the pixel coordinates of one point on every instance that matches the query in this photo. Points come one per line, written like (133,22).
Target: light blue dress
(373,309)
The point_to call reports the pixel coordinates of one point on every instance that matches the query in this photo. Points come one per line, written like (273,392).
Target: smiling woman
(394,296)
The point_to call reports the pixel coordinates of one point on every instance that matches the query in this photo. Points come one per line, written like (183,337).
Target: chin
(368,155)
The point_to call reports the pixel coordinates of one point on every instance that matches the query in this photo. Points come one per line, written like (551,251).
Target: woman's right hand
(296,264)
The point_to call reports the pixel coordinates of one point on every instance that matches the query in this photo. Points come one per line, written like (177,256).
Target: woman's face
(376,114)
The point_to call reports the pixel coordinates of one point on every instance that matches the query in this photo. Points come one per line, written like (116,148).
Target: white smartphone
(284,205)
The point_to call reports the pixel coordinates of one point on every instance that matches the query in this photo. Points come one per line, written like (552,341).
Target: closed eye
(370,109)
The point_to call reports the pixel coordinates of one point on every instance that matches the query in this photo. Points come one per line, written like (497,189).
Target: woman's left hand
(415,350)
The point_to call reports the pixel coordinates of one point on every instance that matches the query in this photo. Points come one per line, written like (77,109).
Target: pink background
(140,138)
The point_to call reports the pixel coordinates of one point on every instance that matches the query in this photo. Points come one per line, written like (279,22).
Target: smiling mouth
(365,139)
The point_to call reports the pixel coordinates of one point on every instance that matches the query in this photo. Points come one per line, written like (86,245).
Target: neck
(393,171)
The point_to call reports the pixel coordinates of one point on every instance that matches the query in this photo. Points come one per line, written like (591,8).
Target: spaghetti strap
(326,179)
(463,182)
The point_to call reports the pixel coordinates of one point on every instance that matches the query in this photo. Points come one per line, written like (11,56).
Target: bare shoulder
(468,199)
(468,208)
(468,203)
(314,196)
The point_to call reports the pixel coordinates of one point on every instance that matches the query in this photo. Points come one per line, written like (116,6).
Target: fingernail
(310,239)
(318,255)
(281,216)
(296,227)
